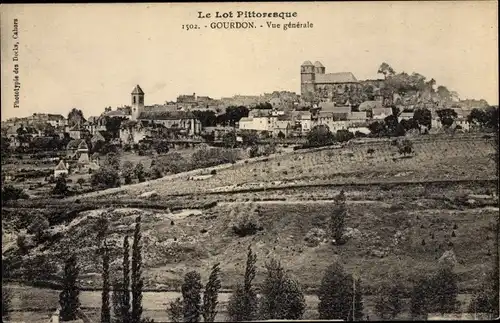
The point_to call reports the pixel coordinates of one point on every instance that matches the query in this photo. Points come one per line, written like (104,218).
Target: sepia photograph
(250,161)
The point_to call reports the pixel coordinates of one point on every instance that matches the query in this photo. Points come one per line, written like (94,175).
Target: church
(341,88)
(143,119)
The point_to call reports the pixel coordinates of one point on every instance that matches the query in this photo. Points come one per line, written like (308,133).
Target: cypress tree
(243,301)
(69,296)
(337,218)
(282,297)
(137,281)
(125,295)
(191,294)
(335,294)
(116,297)
(211,294)
(105,310)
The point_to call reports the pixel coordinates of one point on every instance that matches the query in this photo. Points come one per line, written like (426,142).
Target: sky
(90,56)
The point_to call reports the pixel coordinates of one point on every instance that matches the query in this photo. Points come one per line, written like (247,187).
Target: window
(133,100)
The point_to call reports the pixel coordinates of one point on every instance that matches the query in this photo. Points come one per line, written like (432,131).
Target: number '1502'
(191,26)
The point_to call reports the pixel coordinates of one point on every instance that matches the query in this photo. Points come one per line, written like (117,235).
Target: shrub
(105,177)
(246,223)
(61,188)
(10,192)
(38,225)
(282,296)
(208,157)
(253,152)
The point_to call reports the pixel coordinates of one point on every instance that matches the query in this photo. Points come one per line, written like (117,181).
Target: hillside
(393,205)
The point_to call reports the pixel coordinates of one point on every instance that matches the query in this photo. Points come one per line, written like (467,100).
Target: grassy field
(433,160)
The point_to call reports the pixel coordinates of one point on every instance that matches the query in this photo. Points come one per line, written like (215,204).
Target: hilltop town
(408,165)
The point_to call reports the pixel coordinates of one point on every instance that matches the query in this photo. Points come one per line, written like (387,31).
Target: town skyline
(94,59)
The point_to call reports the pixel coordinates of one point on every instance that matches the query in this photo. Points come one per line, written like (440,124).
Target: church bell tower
(137,102)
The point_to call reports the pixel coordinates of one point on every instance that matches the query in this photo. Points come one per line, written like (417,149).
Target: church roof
(343,77)
(116,113)
(61,166)
(137,90)
(318,64)
(307,63)
(166,115)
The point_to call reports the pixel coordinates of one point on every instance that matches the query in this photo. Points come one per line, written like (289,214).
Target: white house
(61,169)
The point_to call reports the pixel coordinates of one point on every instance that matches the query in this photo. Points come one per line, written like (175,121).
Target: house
(405,116)
(76,131)
(370,105)
(381,113)
(78,149)
(185,121)
(61,168)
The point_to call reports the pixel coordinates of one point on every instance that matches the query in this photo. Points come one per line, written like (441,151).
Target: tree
(139,172)
(136,275)
(102,230)
(445,290)
(405,147)
(116,299)
(443,93)
(6,302)
(61,188)
(337,218)
(229,139)
(38,227)
(207,118)
(234,114)
(447,116)
(128,172)
(243,302)
(125,300)
(281,135)
(113,125)
(391,124)
(191,294)
(105,177)
(486,301)
(211,294)
(344,135)
(418,301)
(319,136)
(176,310)
(335,294)
(75,116)
(386,70)
(69,296)
(80,181)
(10,193)
(388,302)
(112,160)
(423,117)
(282,297)
(378,128)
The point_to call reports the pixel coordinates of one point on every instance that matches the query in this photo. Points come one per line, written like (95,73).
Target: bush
(253,152)
(105,177)
(10,193)
(38,224)
(213,172)
(209,156)
(61,187)
(319,136)
(246,223)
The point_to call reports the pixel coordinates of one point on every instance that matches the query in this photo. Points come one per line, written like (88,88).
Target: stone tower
(319,68)
(306,78)
(137,102)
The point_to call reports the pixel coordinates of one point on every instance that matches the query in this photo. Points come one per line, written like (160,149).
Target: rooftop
(137,90)
(342,77)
